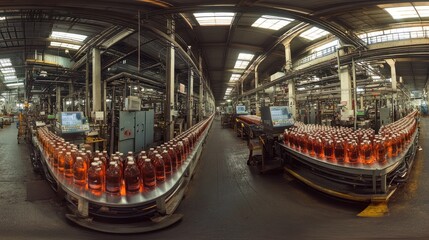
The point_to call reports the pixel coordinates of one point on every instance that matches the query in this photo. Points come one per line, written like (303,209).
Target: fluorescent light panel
(2,18)
(65,45)
(214,18)
(68,36)
(314,33)
(271,22)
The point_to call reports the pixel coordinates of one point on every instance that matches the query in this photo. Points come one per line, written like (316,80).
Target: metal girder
(376,54)
(298,14)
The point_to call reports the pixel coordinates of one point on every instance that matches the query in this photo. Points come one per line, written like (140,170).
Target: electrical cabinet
(136,130)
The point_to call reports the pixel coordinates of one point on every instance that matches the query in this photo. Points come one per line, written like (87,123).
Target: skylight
(68,36)
(2,18)
(228,91)
(5,62)
(214,18)
(234,77)
(7,70)
(271,22)
(326,45)
(408,12)
(314,33)
(65,45)
(243,60)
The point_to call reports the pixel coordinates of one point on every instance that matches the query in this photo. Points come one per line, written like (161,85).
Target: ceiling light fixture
(234,77)
(65,45)
(408,12)
(243,60)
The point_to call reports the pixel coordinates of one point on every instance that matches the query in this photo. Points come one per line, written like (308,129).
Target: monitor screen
(240,109)
(280,116)
(71,118)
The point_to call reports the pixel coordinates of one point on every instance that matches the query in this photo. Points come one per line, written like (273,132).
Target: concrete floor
(226,200)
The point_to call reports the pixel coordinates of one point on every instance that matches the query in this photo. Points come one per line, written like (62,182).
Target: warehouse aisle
(226,200)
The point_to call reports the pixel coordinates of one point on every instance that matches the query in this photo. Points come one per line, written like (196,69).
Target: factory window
(214,18)
(271,22)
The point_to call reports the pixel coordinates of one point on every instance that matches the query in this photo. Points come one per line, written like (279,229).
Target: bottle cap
(68,153)
(115,158)
(129,153)
(96,159)
(131,162)
(104,151)
(94,164)
(147,160)
(78,158)
(130,159)
(112,163)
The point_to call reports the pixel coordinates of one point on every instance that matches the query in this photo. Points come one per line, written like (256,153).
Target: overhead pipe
(132,76)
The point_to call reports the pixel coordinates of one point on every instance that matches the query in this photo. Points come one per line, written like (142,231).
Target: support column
(87,114)
(96,80)
(346,92)
(258,111)
(71,94)
(190,97)
(392,66)
(170,73)
(200,97)
(58,95)
(288,55)
(292,97)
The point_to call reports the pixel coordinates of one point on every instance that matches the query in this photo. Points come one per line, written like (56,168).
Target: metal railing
(317,54)
(390,37)
(396,37)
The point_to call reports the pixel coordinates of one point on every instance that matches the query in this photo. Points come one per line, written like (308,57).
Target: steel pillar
(170,81)
(190,102)
(96,80)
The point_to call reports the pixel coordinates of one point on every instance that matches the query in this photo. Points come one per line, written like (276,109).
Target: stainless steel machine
(136,130)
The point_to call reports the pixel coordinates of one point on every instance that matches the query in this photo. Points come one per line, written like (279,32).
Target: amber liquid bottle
(132,176)
(61,156)
(329,150)
(172,154)
(159,165)
(80,169)
(317,145)
(353,152)
(95,177)
(113,178)
(380,152)
(339,151)
(68,165)
(365,152)
(148,175)
(167,162)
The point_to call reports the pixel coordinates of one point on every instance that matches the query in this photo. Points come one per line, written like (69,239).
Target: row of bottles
(344,145)
(119,174)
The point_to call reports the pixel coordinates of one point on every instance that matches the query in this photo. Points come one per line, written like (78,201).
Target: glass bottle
(56,156)
(365,152)
(380,152)
(167,162)
(95,177)
(182,151)
(178,155)
(174,164)
(353,152)
(318,148)
(68,165)
(113,178)
(148,175)
(61,156)
(159,165)
(132,176)
(79,171)
(329,150)
(106,156)
(339,151)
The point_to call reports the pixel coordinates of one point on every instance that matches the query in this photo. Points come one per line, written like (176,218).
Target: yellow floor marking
(375,209)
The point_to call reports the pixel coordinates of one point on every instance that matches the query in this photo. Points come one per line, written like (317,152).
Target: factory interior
(239,119)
